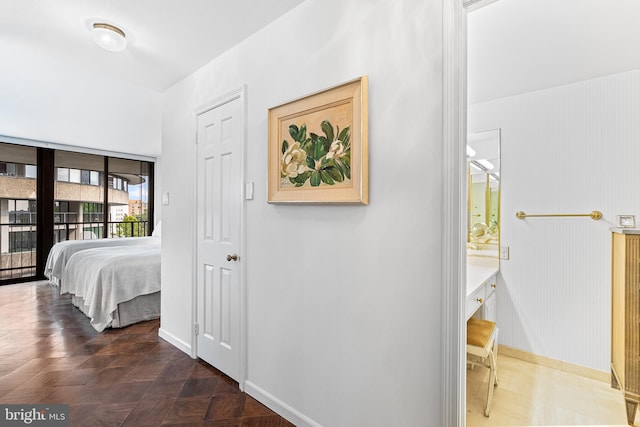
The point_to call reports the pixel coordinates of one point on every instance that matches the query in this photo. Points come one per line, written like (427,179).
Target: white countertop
(625,230)
(479,269)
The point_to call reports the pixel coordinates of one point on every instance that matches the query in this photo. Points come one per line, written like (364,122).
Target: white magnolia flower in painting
(336,150)
(294,161)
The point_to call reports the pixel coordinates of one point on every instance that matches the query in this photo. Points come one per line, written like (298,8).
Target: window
(21,211)
(63,174)
(79,208)
(20,241)
(30,171)
(18,222)
(62,213)
(92,212)
(7,169)
(74,175)
(18,170)
(78,176)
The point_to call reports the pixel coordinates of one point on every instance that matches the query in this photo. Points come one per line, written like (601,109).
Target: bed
(61,252)
(115,286)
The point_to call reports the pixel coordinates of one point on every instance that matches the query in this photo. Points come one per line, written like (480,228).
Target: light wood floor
(534,395)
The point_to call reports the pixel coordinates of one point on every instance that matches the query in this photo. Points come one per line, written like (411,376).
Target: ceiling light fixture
(109,37)
(470,152)
(477,166)
(486,163)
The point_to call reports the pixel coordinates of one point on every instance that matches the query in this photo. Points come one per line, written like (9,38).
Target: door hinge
(196,328)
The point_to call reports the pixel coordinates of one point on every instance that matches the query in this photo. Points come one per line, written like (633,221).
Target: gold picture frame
(318,148)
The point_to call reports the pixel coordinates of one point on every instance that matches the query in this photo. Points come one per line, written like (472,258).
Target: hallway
(122,377)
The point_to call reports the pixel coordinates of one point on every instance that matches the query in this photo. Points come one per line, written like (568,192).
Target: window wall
(82,196)
(79,196)
(18,222)
(133,178)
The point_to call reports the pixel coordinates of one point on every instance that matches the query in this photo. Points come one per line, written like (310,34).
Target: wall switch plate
(165,198)
(248,191)
(504,252)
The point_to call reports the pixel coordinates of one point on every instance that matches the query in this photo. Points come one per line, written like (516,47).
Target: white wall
(67,105)
(569,149)
(344,310)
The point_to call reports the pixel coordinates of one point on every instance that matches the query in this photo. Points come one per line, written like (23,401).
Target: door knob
(233,257)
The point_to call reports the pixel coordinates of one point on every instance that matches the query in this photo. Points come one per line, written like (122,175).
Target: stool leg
(495,364)
(492,380)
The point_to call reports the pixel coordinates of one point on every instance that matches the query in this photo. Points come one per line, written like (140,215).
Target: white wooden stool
(481,350)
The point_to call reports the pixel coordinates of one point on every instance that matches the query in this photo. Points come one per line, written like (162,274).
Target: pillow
(157,229)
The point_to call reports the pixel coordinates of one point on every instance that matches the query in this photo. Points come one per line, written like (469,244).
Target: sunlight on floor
(535,395)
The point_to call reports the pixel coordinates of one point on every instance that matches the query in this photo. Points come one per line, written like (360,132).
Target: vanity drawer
(490,287)
(475,300)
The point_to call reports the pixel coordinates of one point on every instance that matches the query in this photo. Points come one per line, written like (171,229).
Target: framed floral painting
(318,147)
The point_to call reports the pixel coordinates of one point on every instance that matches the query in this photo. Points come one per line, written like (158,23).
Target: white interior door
(219,218)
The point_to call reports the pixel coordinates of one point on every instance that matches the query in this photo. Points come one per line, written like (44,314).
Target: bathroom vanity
(482,273)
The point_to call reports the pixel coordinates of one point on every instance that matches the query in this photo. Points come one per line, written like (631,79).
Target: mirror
(483,213)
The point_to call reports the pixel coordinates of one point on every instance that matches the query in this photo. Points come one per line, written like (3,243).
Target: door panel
(219,205)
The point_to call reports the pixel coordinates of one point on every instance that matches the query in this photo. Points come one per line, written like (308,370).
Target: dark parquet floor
(121,377)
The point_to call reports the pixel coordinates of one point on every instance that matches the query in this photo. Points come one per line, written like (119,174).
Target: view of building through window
(82,209)
(18,177)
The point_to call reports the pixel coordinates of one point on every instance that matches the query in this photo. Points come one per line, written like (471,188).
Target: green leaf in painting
(285,145)
(335,174)
(315,178)
(319,150)
(311,163)
(299,180)
(307,147)
(311,150)
(327,163)
(302,178)
(302,135)
(327,129)
(326,144)
(345,137)
(293,131)
(344,167)
(344,134)
(340,167)
(326,178)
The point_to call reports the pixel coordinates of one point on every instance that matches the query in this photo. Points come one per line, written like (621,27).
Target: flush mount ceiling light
(486,163)
(109,37)
(470,152)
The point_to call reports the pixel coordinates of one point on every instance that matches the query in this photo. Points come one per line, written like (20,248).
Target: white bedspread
(105,277)
(61,252)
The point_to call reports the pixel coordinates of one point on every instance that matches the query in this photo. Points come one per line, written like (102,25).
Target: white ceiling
(167,39)
(515,46)
(518,46)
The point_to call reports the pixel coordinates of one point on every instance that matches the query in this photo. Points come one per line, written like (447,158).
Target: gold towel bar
(595,215)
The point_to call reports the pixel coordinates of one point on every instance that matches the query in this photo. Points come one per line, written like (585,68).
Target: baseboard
(175,341)
(276,405)
(560,365)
